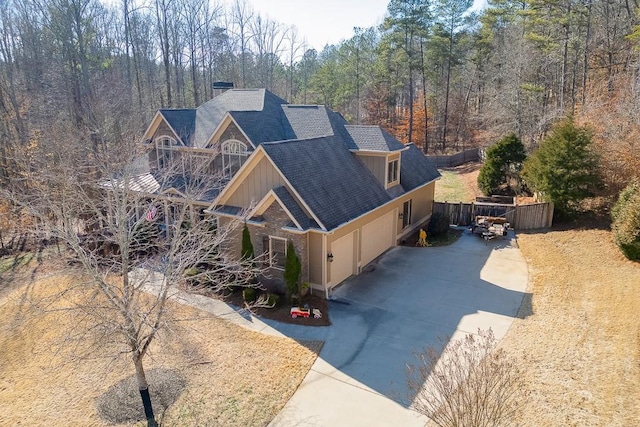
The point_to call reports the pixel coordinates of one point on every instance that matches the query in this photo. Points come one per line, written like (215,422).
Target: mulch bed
(282,313)
(451,237)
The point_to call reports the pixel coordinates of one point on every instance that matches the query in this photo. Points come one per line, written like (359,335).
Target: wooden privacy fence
(521,217)
(457,159)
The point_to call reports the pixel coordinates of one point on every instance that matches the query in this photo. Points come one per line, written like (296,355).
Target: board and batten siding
(377,165)
(421,205)
(261,179)
(316,258)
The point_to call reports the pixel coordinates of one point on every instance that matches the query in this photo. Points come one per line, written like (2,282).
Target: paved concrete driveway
(413,297)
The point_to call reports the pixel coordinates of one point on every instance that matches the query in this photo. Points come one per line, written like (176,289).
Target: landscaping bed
(447,239)
(282,311)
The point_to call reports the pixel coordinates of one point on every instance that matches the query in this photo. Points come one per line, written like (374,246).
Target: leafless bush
(469,383)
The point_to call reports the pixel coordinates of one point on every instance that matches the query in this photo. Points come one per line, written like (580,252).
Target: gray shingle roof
(333,183)
(202,191)
(416,169)
(308,121)
(313,154)
(265,125)
(259,126)
(372,138)
(228,210)
(183,121)
(294,208)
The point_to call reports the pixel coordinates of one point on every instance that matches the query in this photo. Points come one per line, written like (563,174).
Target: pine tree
(564,170)
(502,165)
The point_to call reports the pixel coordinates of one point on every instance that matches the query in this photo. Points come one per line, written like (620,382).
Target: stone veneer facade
(276,218)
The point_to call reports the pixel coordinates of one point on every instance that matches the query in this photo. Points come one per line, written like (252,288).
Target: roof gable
(182,121)
(333,183)
(288,204)
(254,110)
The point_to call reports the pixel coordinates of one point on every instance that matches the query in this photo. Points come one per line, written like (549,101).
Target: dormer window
(166,151)
(234,154)
(392,171)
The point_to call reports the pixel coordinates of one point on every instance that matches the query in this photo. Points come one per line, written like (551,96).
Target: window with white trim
(166,151)
(234,154)
(392,171)
(406,213)
(197,164)
(277,252)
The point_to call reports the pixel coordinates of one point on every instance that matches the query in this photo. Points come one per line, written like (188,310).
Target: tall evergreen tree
(564,170)
(502,165)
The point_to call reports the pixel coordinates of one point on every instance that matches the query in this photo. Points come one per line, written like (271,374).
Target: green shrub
(626,221)
(190,272)
(273,300)
(438,225)
(247,246)
(292,269)
(564,169)
(502,165)
(249,294)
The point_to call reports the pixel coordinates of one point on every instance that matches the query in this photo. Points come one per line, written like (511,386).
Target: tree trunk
(447,90)
(143,387)
(585,65)
(425,147)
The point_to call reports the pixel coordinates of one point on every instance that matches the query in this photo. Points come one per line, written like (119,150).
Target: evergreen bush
(438,225)
(292,270)
(626,221)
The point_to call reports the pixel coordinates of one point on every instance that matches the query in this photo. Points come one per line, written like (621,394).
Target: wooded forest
(432,73)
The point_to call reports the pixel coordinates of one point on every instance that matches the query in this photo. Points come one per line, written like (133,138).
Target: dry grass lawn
(580,350)
(581,347)
(459,184)
(234,377)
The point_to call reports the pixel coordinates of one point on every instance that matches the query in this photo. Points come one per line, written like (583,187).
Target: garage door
(342,265)
(377,237)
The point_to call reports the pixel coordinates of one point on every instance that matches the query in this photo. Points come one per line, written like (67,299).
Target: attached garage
(342,265)
(377,237)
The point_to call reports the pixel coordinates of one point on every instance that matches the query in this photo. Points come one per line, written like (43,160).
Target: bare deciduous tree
(126,235)
(468,384)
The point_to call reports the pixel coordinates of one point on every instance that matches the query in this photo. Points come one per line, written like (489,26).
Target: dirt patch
(234,377)
(580,350)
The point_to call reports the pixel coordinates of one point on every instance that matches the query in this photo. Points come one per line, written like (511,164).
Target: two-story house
(343,194)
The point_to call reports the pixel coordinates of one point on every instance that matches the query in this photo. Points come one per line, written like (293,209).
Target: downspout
(324,266)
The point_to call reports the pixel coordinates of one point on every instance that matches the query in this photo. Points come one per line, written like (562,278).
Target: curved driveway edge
(413,297)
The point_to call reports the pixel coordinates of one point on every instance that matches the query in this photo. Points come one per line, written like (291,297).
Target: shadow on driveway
(414,298)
